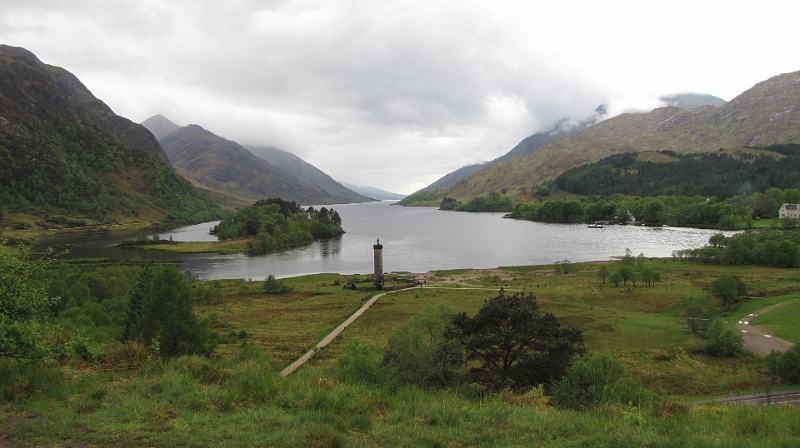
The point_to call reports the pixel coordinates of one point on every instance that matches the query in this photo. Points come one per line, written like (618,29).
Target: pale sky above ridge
(396,94)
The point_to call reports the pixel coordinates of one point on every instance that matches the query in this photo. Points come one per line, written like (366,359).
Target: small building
(789,211)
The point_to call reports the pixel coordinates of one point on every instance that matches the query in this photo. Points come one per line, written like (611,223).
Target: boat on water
(596,225)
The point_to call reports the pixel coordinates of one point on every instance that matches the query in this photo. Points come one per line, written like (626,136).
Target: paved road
(757,338)
(763,399)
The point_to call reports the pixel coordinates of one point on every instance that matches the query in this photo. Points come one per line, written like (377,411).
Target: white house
(789,211)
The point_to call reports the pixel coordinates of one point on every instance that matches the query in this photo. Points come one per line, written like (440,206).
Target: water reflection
(331,247)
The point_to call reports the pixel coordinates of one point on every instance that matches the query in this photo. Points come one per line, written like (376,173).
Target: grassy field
(234,246)
(645,326)
(238,398)
(784,322)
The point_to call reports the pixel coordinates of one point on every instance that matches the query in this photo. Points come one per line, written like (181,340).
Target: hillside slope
(768,113)
(225,166)
(307,172)
(64,152)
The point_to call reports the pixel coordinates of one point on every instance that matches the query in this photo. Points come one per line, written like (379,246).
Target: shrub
(699,319)
(423,353)
(273,286)
(598,380)
(730,288)
(786,365)
(723,342)
(160,312)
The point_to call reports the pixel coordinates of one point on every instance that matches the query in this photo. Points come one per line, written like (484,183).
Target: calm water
(415,239)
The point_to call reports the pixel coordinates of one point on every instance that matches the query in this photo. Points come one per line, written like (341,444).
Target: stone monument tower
(378,250)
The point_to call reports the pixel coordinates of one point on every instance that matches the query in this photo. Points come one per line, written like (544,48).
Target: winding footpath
(329,338)
(757,338)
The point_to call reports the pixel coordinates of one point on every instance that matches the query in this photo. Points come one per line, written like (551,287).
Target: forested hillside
(67,159)
(720,174)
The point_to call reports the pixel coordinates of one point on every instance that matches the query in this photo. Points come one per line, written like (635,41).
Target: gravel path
(327,340)
(757,338)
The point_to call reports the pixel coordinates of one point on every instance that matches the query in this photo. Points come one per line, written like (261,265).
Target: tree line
(736,212)
(764,248)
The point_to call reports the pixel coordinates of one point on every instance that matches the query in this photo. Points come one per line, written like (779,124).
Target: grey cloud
(431,85)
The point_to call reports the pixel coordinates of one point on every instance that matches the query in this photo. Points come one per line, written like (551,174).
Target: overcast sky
(394,94)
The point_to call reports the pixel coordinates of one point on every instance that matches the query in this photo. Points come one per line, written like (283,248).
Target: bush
(422,352)
(730,288)
(597,380)
(699,319)
(160,312)
(786,365)
(273,286)
(723,342)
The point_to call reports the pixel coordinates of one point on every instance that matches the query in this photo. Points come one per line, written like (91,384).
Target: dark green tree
(788,365)
(160,313)
(650,276)
(603,273)
(730,288)
(626,274)
(787,255)
(25,332)
(717,240)
(514,344)
(542,191)
(615,278)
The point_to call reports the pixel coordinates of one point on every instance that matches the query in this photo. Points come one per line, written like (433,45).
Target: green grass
(222,247)
(238,399)
(242,402)
(784,322)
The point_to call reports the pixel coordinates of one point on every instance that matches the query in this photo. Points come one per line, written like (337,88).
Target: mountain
(689,101)
(160,126)
(766,114)
(66,157)
(308,173)
(528,145)
(226,167)
(375,193)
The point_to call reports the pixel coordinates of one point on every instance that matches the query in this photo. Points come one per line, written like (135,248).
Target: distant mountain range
(376,193)
(234,175)
(65,157)
(768,113)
